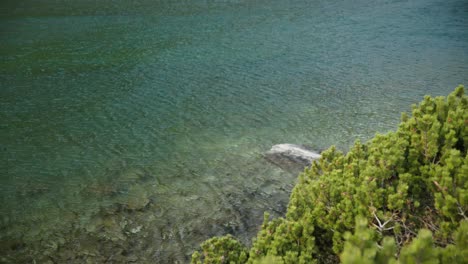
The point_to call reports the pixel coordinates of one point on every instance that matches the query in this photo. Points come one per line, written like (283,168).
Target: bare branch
(382,227)
(461,211)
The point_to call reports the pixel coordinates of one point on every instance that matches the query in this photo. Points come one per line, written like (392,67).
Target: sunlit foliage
(402,197)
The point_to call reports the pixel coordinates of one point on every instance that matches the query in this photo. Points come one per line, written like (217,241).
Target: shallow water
(133,130)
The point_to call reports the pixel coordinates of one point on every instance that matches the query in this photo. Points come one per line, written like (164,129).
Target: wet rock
(291,157)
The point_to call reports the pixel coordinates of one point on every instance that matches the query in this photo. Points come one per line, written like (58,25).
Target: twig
(461,211)
(381,227)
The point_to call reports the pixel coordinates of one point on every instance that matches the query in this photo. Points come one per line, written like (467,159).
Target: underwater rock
(137,198)
(136,229)
(291,156)
(32,189)
(101,189)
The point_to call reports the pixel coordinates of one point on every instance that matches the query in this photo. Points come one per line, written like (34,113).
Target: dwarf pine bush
(402,197)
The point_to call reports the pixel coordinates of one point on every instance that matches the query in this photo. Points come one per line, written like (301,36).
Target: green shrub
(219,250)
(404,194)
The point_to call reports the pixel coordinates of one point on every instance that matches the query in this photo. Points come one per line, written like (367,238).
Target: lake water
(134,130)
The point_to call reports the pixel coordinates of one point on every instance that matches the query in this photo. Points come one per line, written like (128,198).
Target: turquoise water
(134,130)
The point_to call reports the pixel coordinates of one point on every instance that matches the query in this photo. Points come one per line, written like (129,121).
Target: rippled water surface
(134,130)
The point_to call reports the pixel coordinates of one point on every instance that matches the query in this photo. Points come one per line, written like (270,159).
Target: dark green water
(133,130)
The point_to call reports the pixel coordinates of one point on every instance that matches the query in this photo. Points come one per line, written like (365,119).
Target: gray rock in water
(291,156)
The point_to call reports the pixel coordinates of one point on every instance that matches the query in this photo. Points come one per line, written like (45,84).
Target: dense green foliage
(404,196)
(222,250)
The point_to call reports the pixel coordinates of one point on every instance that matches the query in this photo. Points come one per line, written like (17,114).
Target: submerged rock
(291,156)
(136,199)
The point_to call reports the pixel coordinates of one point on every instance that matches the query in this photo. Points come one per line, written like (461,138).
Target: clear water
(134,130)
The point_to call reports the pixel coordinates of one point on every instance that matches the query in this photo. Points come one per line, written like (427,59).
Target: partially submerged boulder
(291,156)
